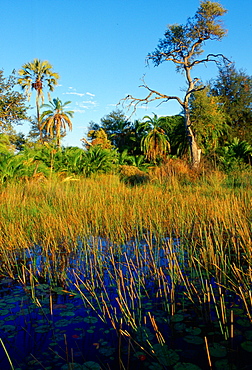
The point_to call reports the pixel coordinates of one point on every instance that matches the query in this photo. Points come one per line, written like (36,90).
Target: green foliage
(183,43)
(12,105)
(208,120)
(117,128)
(5,144)
(122,134)
(34,75)
(37,75)
(175,128)
(56,119)
(99,137)
(237,153)
(155,143)
(97,160)
(234,90)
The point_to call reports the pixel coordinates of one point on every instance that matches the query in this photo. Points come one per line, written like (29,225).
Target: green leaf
(247,346)
(164,355)
(177,317)
(248,334)
(90,319)
(194,339)
(155,366)
(90,365)
(193,331)
(42,329)
(107,351)
(244,322)
(217,350)
(4,312)
(223,364)
(179,326)
(72,366)
(143,333)
(67,313)
(8,328)
(63,322)
(186,366)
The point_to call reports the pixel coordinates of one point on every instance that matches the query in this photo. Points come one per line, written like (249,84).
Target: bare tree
(182,45)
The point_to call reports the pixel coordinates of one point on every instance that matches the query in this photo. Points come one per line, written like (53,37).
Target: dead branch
(152,96)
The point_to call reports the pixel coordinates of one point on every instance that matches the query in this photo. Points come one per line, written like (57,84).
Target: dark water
(59,327)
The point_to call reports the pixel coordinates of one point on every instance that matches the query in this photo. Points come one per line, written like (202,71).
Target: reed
(124,249)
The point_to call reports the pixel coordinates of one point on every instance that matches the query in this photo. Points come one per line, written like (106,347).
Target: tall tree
(182,45)
(56,119)
(234,91)
(118,128)
(37,75)
(13,109)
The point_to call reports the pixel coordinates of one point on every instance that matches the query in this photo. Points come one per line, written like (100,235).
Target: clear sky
(99,48)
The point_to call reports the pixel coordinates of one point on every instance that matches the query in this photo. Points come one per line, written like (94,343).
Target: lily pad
(8,328)
(107,351)
(42,329)
(194,339)
(248,334)
(177,317)
(63,322)
(77,319)
(67,313)
(72,366)
(223,364)
(247,345)
(4,312)
(90,319)
(90,365)
(10,318)
(155,366)
(217,350)
(143,333)
(193,331)
(59,291)
(244,322)
(179,326)
(238,311)
(165,356)
(186,366)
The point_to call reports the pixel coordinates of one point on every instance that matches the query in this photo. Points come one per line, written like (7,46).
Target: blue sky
(99,48)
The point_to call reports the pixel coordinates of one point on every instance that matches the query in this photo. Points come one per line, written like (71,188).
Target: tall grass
(168,232)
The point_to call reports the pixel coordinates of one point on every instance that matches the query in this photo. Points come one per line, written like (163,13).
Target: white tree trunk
(195,151)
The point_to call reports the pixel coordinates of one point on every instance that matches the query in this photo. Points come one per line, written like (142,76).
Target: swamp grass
(122,249)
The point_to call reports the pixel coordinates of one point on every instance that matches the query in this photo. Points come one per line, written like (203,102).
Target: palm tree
(34,75)
(55,119)
(155,141)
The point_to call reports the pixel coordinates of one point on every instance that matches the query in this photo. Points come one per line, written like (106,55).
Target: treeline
(221,119)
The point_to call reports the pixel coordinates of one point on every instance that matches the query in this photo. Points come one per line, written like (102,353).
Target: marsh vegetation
(98,274)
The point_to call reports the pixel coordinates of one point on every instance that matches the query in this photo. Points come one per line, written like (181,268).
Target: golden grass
(211,221)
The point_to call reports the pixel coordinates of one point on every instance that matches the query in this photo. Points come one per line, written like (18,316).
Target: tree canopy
(233,88)
(13,109)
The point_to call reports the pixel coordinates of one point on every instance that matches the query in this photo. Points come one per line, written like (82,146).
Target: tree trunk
(195,151)
(39,123)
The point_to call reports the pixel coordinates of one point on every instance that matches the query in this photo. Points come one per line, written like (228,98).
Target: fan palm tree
(155,141)
(56,119)
(36,75)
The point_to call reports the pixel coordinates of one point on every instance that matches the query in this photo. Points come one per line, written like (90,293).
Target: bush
(131,175)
